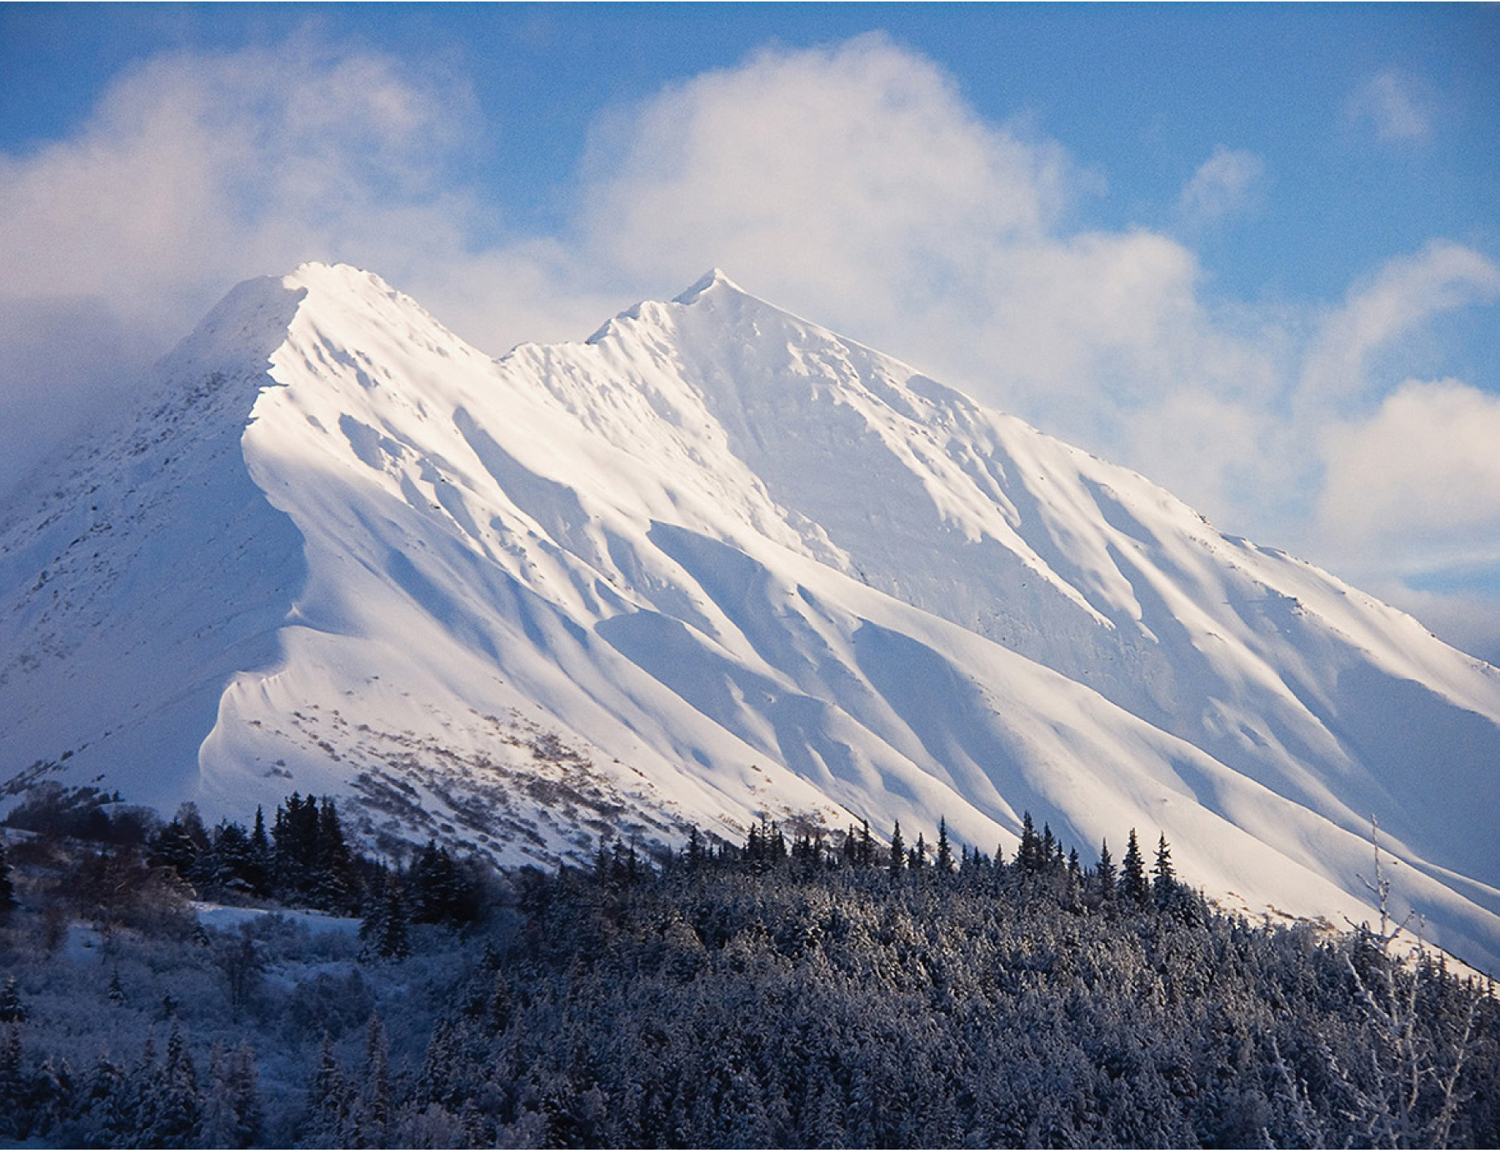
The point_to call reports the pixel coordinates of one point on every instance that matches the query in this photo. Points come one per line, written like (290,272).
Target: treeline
(1040,864)
(304,859)
(815,990)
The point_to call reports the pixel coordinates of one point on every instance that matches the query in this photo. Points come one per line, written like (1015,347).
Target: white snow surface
(715,562)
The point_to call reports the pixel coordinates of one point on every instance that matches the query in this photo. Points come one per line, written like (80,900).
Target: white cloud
(852,177)
(195,167)
(1225,183)
(1405,294)
(1395,104)
(1422,472)
(1411,508)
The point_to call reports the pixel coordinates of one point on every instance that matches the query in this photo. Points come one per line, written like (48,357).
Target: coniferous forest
(813,990)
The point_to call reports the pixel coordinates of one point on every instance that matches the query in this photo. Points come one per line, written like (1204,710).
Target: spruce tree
(440,1065)
(172,1106)
(1028,855)
(384,925)
(1105,872)
(232,1114)
(333,864)
(295,839)
(260,861)
(51,1097)
(230,855)
(898,852)
(376,1103)
(441,894)
(328,1102)
(175,847)
(105,1098)
(755,846)
(944,849)
(1163,879)
(1133,872)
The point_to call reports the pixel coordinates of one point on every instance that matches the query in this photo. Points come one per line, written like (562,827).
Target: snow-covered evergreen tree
(171,1107)
(329,1102)
(232,1117)
(384,927)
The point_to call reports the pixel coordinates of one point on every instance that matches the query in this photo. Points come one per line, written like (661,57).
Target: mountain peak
(319,275)
(713,279)
(712,285)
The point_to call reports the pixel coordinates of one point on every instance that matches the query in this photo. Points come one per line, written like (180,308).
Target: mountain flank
(713,565)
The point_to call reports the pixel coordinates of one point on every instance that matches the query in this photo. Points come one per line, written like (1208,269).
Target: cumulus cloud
(852,175)
(851,183)
(1394,104)
(1424,470)
(1225,183)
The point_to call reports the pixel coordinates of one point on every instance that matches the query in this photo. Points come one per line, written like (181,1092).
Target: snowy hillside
(716,561)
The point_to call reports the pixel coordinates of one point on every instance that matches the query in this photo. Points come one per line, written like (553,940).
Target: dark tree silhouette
(1163,879)
(1133,872)
(1105,873)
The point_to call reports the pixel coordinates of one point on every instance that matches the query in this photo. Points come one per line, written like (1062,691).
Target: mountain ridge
(706,564)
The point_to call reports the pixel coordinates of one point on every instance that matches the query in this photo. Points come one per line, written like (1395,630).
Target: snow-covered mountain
(712,563)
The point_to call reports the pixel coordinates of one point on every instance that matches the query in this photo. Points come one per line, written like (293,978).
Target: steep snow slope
(714,562)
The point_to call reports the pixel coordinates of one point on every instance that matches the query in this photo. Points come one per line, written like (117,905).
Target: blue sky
(1249,250)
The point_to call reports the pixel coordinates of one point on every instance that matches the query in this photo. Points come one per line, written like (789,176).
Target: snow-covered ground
(714,562)
(233,916)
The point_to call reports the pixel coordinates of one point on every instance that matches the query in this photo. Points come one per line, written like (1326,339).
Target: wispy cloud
(1405,294)
(1226,183)
(1395,104)
(195,172)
